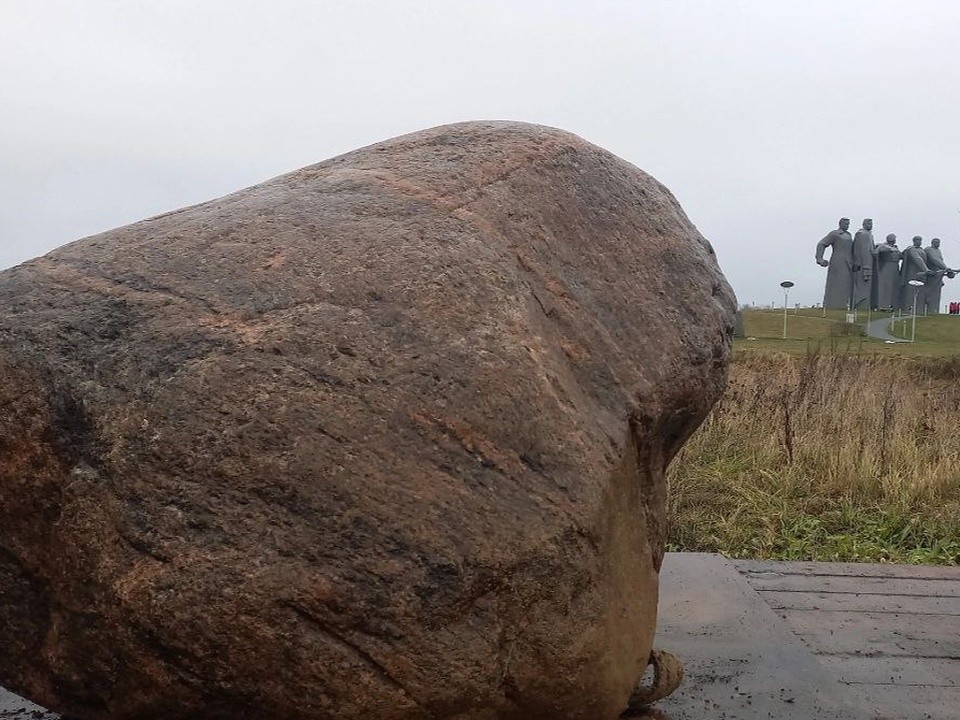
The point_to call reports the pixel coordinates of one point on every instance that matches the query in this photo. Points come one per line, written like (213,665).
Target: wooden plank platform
(742,661)
(889,633)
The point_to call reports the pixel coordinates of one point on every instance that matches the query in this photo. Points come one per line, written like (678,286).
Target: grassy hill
(828,445)
(809,330)
(942,330)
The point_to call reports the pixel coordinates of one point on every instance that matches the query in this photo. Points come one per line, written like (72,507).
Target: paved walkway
(13,707)
(811,640)
(880,329)
(742,660)
(889,634)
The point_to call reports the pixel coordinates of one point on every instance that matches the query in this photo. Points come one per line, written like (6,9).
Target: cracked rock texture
(381,438)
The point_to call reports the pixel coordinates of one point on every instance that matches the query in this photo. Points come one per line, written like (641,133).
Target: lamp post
(917,284)
(786,285)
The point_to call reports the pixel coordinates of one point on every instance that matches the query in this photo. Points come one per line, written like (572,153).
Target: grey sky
(768,119)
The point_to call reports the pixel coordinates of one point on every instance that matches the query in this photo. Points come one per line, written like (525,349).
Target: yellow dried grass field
(826,457)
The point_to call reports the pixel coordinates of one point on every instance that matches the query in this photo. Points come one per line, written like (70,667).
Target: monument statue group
(862,274)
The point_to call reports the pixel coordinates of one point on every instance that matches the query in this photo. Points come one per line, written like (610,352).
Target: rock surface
(380,438)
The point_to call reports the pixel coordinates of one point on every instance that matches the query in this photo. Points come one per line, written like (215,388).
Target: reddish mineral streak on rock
(380,438)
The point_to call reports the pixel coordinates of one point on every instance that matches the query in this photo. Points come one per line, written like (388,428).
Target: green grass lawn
(942,329)
(809,331)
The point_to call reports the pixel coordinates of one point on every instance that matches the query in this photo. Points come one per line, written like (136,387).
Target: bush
(845,329)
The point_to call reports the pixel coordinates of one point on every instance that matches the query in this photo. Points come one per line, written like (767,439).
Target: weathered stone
(933,283)
(838,290)
(914,267)
(380,438)
(864,250)
(888,274)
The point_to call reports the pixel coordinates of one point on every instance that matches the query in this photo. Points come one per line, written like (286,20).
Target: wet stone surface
(383,437)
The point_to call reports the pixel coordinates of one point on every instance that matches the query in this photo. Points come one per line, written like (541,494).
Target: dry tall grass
(826,457)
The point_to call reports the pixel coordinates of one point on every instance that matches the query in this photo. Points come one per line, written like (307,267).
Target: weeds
(826,457)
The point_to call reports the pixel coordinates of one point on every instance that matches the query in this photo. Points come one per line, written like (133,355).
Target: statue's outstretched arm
(821,246)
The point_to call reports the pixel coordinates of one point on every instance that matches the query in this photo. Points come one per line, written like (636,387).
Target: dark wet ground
(16,708)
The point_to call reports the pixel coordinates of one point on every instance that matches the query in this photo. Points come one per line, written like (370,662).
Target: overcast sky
(768,120)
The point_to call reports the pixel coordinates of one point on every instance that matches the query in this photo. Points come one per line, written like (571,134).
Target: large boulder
(384,437)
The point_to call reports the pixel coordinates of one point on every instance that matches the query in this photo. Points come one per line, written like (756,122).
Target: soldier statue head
(844,224)
(868,223)
(935,242)
(917,240)
(891,239)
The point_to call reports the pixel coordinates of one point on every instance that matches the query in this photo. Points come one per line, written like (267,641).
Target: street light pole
(917,284)
(786,285)
(913,325)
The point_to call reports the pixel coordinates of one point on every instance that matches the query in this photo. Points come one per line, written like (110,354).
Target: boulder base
(380,438)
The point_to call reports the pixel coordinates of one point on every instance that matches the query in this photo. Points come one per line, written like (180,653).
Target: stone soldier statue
(888,274)
(914,268)
(933,284)
(863,248)
(839,285)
